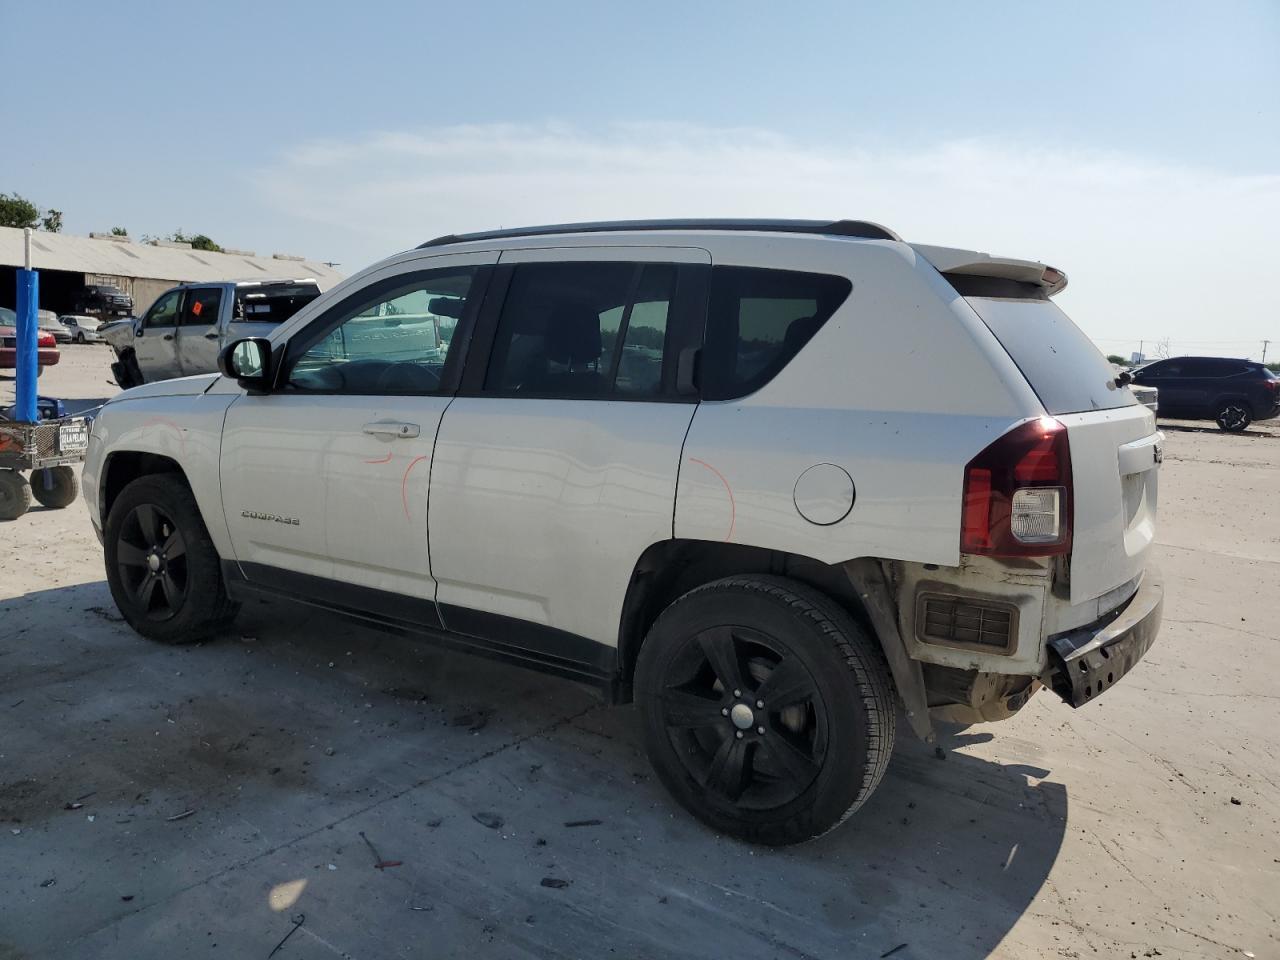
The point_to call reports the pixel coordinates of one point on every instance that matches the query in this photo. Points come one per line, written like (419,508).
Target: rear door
(198,332)
(1114,442)
(556,465)
(156,343)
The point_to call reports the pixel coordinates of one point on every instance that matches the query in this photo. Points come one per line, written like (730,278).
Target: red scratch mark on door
(733,507)
(386,459)
(404,481)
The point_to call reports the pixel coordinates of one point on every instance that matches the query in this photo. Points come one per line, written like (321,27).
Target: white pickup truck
(188,326)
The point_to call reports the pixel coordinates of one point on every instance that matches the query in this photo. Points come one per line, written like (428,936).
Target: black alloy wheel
(163,569)
(1234,417)
(768,710)
(152,557)
(745,717)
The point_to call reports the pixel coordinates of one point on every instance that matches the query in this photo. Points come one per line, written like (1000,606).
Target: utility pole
(1264,350)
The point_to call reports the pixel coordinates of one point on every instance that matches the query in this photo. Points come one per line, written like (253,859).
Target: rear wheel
(162,568)
(15,495)
(768,712)
(1233,416)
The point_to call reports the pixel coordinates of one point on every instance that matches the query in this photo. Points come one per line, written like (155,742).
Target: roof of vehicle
(863,229)
(269,282)
(949,260)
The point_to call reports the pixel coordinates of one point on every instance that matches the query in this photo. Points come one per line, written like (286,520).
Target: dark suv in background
(104,300)
(1232,392)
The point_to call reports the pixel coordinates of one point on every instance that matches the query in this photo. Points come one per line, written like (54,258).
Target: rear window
(1064,368)
(273,304)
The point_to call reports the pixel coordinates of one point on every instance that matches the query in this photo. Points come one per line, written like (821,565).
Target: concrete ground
(197,801)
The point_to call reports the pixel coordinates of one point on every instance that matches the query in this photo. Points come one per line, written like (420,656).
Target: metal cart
(46,449)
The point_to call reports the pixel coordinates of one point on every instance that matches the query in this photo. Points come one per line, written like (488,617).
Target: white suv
(768,479)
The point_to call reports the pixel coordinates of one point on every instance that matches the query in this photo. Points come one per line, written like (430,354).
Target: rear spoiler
(971,263)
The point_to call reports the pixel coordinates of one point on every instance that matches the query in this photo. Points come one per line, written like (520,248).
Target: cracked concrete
(1108,831)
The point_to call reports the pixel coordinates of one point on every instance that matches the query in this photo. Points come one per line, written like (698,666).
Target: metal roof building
(66,263)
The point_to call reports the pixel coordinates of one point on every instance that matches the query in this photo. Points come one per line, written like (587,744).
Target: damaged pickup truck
(184,330)
(779,483)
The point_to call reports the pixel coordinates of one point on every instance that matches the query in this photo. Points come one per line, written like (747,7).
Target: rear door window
(201,309)
(1068,373)
(757,321)
(583,329)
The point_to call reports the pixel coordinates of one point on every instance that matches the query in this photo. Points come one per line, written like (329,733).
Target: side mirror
(1124,379)
(248,363)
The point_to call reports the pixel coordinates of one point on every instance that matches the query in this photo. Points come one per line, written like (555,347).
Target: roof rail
(863,229)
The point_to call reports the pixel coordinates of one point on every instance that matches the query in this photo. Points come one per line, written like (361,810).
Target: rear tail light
(1018,494)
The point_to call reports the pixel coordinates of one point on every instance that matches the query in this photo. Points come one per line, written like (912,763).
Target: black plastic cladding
(861,229)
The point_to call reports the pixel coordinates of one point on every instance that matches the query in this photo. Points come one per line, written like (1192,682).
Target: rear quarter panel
(900,388)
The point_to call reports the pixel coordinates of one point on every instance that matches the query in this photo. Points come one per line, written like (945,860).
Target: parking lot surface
(406,802)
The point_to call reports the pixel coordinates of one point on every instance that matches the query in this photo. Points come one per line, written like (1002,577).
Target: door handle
(211,336)
(392,429)
(168,336)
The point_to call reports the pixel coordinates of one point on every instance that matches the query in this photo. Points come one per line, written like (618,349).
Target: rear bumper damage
(1086,662)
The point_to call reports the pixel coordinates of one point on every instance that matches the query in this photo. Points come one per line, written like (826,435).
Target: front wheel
(79,338)
(55,487)
(768,712)
(1233,416)
(162,568)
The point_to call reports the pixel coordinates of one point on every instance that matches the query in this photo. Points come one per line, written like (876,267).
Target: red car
(46,347)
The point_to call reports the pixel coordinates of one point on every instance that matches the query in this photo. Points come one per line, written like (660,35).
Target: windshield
(1064,368)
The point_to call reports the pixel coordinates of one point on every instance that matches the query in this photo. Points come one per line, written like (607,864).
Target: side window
(201,309)
(164,312)
(758,320)
(583,330)
(393,339)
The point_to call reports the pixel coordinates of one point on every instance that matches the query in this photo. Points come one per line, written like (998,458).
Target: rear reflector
(1018,494)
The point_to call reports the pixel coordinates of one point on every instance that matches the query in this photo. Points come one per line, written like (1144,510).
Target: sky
(1134,145)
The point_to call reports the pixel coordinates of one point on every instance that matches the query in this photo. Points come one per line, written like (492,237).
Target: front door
(325,479)
(556,465)
(156,344)
(198,333)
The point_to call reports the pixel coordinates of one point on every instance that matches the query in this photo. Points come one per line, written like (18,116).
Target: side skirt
(529,645)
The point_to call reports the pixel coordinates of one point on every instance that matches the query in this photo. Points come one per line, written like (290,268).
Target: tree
(198,241)
(52,221)
(1116,358)
(119,232)
(16,211)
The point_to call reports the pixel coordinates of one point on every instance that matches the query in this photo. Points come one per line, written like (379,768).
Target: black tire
(55,487)
(179,596)
(15,495)
(1233,416)
(80,338)
(820,756)
(126,370)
